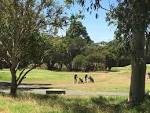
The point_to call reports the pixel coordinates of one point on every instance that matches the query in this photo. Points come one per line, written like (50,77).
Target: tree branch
(20,74)
(104,8)
(17,66)
(23,76)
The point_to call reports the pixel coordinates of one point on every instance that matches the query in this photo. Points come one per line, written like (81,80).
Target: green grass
(118,80)
(29,103)
(4,75)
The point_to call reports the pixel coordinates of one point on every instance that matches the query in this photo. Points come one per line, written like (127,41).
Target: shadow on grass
(88,105)
(114,70)
(68,105)
(2,84)
(95,104)
(26,86)
(80,105)
(30,88)
(32,84)
(108,105)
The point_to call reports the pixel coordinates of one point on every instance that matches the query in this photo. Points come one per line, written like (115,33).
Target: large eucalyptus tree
(132,18)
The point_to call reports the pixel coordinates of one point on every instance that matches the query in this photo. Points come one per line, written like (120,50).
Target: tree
(79,63)
(74,47)
(21,27)
(56,52)
(76,40)
(132,17)
(76,29)
(95,57)
(116,53)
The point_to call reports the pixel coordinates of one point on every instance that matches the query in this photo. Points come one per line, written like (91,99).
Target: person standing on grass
(75,78)
(86,77)
(91,79)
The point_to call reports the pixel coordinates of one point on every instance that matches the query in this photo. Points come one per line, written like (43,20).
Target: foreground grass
(63,104)
(118,80)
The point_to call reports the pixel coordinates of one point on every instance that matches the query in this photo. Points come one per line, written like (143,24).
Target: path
(41,89)
(76,92)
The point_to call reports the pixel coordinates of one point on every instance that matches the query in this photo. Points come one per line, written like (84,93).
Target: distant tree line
(75,51)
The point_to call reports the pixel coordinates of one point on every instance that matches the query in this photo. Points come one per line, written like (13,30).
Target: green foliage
(56,49)
(22,24)
(77,30)
(64,49)
(34,50)
(68,2)
(21,29)
(122,17)
(79,63)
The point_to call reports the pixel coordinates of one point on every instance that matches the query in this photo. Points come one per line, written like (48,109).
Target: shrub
(79,63)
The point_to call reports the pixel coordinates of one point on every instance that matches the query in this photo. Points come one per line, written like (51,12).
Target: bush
(79,63)
(96,61)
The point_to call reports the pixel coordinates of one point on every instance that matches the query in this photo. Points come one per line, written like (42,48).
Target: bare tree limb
(17,66)
(20,74)
(24,75)
(104,8)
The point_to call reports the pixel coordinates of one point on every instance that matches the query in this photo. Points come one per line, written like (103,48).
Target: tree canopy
(21,27)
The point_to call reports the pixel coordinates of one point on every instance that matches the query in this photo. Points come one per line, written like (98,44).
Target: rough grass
(117,80)
(29,103)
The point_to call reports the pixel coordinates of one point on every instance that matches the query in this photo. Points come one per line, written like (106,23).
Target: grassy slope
(62,104)
(51,104)
(117,80)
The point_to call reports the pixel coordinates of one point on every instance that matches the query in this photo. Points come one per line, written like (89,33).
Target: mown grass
(29,103)
(117,80)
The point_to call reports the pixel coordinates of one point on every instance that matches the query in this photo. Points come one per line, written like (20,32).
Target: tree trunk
(50,65)
(60,66)
(138,22)
(1,64)
(137,86)
(69,67)
(138,65)
(13,90)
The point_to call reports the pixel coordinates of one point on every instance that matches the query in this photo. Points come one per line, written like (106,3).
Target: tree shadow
(110,106)
(69,105)
(26,84)
(32,84)
(91,105)
(30,88)
(78,105)
(107,105)
(114,70)
(5,84)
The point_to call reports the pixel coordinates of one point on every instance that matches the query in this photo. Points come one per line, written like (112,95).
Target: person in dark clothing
(148,75)
(86,77)
(91,79)
(80,81)
(75,78)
